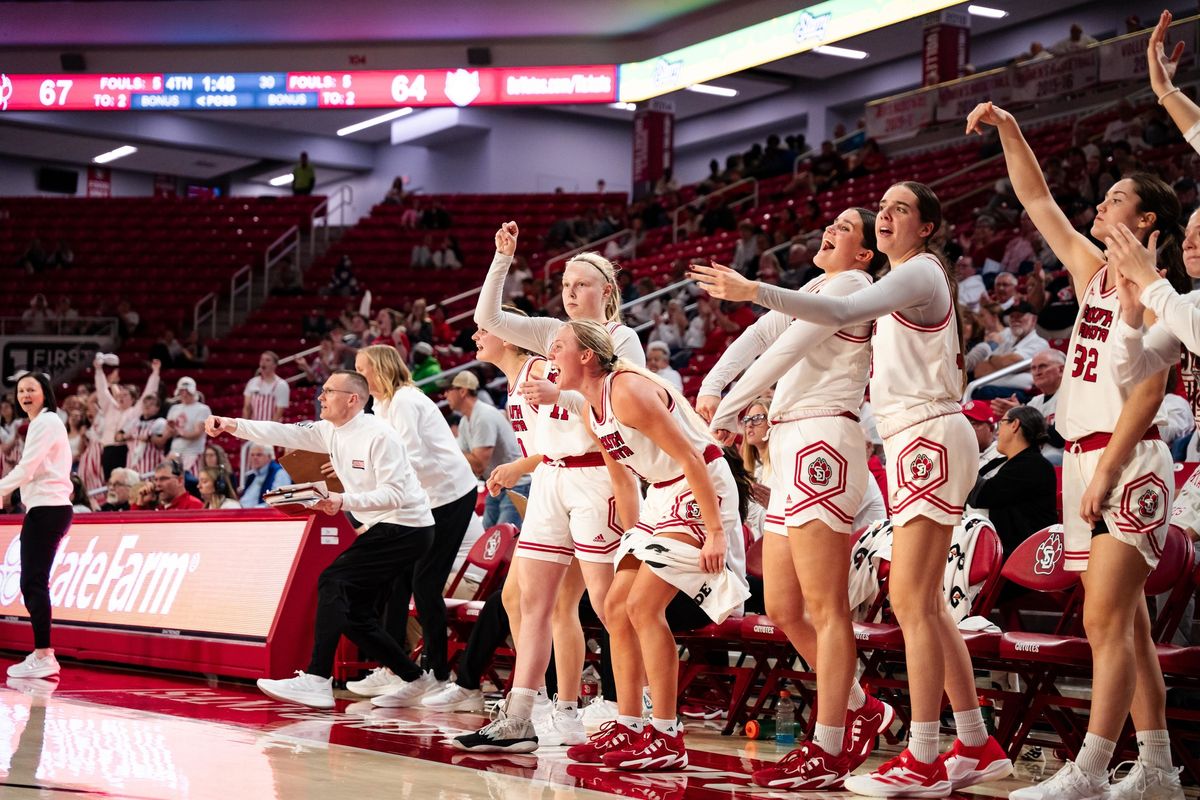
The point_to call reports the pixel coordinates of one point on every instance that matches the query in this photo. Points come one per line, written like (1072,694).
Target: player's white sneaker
(543,707)
(1069,783)
(598,712)
(560,728)
(1146,783)
(307,690)
(408,693)
(35,667)
(453,697)
(381,680)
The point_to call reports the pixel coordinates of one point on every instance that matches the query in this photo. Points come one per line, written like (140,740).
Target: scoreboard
(309,90)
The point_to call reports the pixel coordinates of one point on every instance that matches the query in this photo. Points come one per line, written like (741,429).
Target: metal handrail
(290,237)
(704,198)
(244,288)
(198,317)
(1011,369)
(593,245)
(344,195)
(456,298)
(89,326)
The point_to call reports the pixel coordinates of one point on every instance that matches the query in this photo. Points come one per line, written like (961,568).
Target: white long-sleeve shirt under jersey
(820,369)
(917,351)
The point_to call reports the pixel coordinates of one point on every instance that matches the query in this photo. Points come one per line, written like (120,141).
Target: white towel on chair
(678,563)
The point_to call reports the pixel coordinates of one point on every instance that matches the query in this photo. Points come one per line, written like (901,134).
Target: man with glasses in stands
(383,493)
(168,493)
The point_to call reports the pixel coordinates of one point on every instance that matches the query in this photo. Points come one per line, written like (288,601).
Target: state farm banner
(956,100)
(219,578)
(901,117)
(1043,80)
(1125,58)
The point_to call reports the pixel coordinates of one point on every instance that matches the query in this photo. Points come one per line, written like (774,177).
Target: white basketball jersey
(634,449)
(833,375)
(561,433)
(1091,399)
(916,370)
(522,415)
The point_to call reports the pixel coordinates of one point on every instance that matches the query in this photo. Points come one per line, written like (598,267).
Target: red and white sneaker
(863,727)
(967,766)
(903,776)
(653,751)
(611,737)
(808,767)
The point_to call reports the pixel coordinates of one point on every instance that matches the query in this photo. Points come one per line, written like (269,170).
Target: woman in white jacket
(44,478)
(447,478)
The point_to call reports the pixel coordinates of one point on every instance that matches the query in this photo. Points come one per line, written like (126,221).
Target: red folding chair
(1044,659)
(722,638)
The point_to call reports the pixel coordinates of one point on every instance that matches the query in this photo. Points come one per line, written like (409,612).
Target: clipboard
(297,499)
(305,467)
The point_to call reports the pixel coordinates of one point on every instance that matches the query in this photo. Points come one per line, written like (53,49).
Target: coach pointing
(383,492)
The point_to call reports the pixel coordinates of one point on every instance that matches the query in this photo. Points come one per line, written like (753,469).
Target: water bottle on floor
(785,720)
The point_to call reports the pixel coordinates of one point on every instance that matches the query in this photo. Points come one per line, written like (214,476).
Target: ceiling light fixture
(840,52)
(708,88)
(373,121)
(282,180)
(113,155)
(623,106)
(984,11)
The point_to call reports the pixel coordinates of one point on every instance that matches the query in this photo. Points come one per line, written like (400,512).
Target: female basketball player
(687,538)
(447,478)
(1113,534)
(571,513)
(820,483)
(931,459)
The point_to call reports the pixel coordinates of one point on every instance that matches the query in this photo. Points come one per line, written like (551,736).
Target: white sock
(1154,749)
(634,724)
(969,725)
(1095,755)
(829,738)
(542,696)
(923,741)
(667,727)
(566,706)
(520,703)
(858,698)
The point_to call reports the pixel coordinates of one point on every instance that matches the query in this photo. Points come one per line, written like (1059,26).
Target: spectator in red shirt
(168,492)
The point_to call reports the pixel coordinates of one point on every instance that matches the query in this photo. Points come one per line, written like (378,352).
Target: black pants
(113,456)
(42,530)
(425,580)
(348,595)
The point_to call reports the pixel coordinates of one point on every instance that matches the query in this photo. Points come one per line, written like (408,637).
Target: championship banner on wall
(1043,80)
(956,100)
(216,578)
(1125,58)
(901,117)
(946,47)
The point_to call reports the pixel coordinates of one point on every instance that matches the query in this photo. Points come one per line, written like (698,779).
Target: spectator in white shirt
(1047,372)
(266,395)
(44,477)
(658,361)
(971,288)
(1024,344)
(1004,290)
(185,423)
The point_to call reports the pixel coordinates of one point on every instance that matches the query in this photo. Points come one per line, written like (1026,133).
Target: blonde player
(916,382)
(1116,473)
(820,482)
(686,540)
(447,478)
(572,511)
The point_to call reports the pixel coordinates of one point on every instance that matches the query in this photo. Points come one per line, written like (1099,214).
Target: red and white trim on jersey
(916,326)
(522,415)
